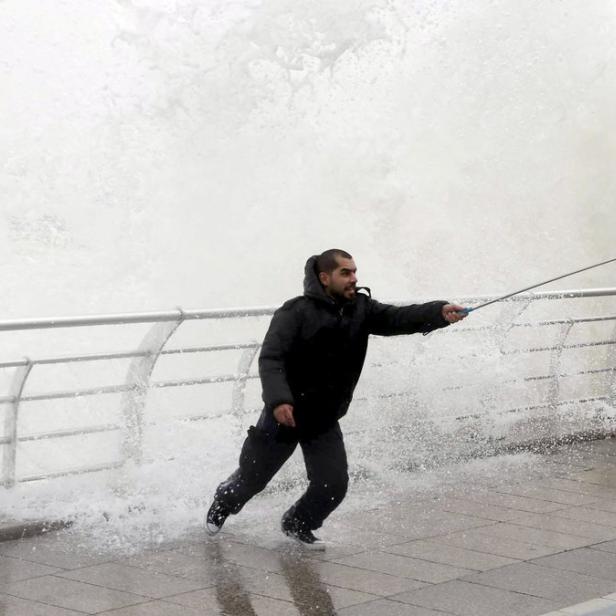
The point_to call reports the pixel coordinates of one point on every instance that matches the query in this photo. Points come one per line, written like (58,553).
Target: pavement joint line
(39,602)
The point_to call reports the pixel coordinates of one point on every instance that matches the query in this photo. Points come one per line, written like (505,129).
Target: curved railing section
(154,345)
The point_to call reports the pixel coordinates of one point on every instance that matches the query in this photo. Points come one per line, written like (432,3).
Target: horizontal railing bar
(546,405)
(134,318)
(567,375)
(516,351)
(75,471)
(231,347)
(230,313)
(73,432)
(74,358)
(207,349)
(115,427)
(477,415)
(227,413)
(240,346)
(523,297)
(466,328)
(560,403)
(525,379)
(78,393)
(580,345)
(124,355)
(200,381)
(566,321)
(114,389)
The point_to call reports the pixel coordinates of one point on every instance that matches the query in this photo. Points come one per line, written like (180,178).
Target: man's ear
(324,278)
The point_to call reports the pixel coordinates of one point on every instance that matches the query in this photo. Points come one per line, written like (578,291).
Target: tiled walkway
(539,544)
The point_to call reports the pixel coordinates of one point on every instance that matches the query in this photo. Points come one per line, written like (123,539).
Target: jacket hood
(313,288)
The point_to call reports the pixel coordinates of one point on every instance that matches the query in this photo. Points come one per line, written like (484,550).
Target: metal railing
(144,358)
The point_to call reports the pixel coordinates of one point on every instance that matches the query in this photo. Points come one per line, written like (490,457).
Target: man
(310,362)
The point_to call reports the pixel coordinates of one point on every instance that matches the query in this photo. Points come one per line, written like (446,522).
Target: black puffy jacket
(314,349)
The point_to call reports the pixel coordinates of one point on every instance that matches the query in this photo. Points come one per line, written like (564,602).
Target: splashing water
(190,153)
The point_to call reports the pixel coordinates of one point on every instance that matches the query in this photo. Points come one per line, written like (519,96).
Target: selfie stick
(467,310)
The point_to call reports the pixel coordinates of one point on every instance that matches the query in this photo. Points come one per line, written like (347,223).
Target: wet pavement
(540,542)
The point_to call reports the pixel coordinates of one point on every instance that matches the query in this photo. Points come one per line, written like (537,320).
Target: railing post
(555,357)
(611,358)
(509,313)
(9,459)
(239,385)
(138,379)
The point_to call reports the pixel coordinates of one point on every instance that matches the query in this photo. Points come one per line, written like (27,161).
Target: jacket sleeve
(276,345)
(388,320)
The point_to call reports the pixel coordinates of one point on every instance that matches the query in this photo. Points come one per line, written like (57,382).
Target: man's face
(341,282)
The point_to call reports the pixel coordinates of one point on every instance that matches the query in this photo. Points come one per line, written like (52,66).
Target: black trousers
(267,447)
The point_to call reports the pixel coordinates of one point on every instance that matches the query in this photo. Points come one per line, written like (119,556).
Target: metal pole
(539,284)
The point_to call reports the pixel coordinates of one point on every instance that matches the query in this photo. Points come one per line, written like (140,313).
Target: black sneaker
(216,517)
(296,529)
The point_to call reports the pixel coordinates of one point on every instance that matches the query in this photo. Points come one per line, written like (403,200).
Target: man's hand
(452,313)
(283,414)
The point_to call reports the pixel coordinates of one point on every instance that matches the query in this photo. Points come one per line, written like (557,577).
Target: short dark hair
(326,261)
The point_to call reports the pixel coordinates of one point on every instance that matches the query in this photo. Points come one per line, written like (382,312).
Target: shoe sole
(319,546)
(211,529)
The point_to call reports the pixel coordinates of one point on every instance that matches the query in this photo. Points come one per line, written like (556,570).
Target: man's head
(337,273)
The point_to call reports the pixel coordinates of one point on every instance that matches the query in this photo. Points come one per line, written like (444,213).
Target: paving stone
(14,606)
(512,501)
(61,550)
(466,599)
(403,566)
(596,563)
(132,579)
(353,537)
(605,546)
(70,594)
(450,555)
(565,587)
(14,569)
(599,476)
(478,509)
(549,494)
(361,580)
(205,569)
(295,587)
(230,551)
(385,607)
(556,523)
(605,505)
(417,527)
(593,514)
(499,546)
(236,601)
(579,487)
(534,536)
(163,608)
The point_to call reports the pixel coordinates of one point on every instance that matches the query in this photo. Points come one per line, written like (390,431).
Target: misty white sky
(162,153)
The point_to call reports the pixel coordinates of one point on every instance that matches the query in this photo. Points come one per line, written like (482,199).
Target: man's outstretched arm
(389,320)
